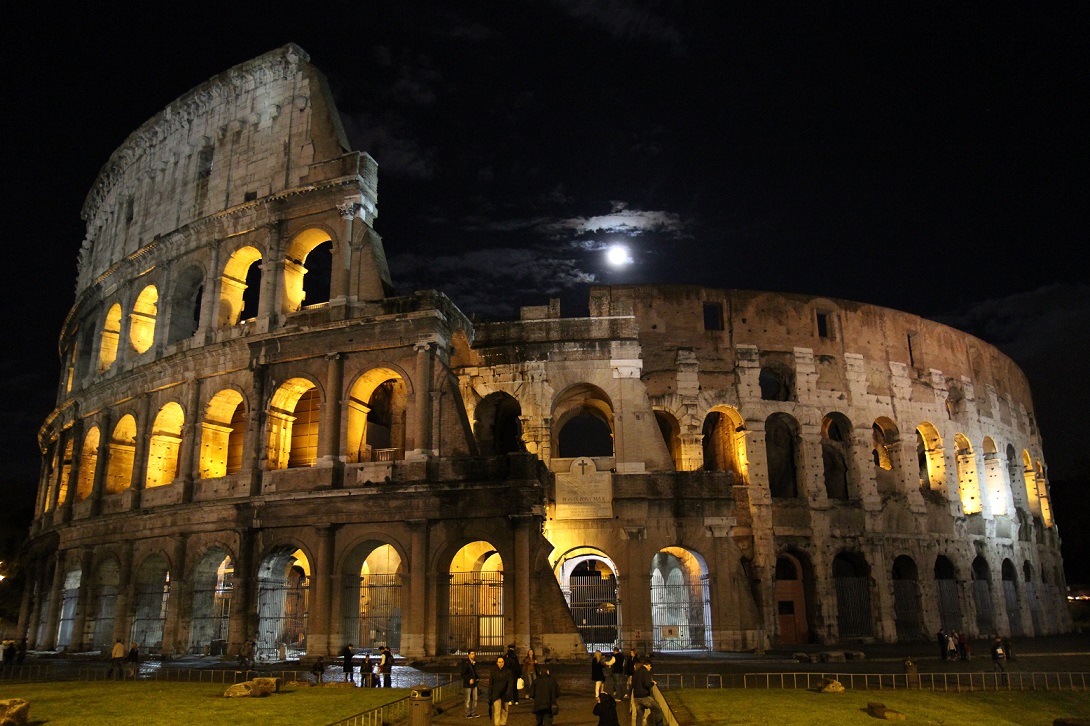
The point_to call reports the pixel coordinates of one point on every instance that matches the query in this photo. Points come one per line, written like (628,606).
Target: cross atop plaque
(583,492)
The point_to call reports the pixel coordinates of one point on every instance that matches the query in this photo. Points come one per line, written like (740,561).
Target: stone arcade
(255,439)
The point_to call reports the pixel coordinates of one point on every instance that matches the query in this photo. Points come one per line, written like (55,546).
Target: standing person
(501,691)
(346,655)
(963,646)
(470,680)
(999,655)
(318,669)
(117,660)
(606,710)
(529,671)
(643,693)
(598,673)
(617,671)
(545,693)
(940,638)
(133,660)
(952,645)
(20,652)
(512,661)
(630,668)
(367,673)
(246,654)
(386,665)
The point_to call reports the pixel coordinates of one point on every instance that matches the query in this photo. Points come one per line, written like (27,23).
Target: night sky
(927,157)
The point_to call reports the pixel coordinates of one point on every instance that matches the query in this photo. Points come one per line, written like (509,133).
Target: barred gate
(103,633)
(906,608)
(211,618)
(593,603)
(681,614)
(68,617)
(1014,612)
(149,615)
(985,610)
(282,618)
(475,615)
(853,617)
(949,606)
(377,619)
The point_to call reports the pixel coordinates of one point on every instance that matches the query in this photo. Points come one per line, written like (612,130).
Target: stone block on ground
(266,686)
(831,685)
(239,690)
(14,712)
(879,710)
(855,655)
(832,656)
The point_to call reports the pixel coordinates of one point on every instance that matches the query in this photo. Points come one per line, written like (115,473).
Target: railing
(399,709)
(186,675)
(982,681)
(33,672)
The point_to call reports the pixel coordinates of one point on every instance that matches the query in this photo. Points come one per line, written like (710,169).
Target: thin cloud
(624,20)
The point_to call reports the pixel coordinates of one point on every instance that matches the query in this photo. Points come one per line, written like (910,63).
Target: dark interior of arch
(585,435)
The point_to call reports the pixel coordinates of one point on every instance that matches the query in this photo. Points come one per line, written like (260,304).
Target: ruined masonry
(256,440)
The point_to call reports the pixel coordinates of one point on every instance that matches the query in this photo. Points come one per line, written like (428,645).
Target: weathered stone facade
(256,440)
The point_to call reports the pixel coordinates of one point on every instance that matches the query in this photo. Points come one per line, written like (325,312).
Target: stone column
(634,589)
(422,444)
(27,615)
(242,626)
(340,279)
(56,599)
(180,603)
(809,469)
(210,296)
(522,568)
(123,613)
(86,592)
(319,620)
(74,472)
(189,451)
(416,597)
(329,432)
(255,431)
(102,461)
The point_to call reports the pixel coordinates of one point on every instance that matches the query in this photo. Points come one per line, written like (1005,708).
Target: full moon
(618,255)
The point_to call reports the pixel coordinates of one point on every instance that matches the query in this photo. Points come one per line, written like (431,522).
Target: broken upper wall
(260,128)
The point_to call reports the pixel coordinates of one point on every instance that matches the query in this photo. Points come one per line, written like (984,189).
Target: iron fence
(399,709)
(952,682)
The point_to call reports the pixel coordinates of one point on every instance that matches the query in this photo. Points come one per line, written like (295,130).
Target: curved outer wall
(803,469)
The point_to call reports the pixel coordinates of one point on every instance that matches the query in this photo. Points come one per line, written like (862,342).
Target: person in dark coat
(470,684)
(501,691)
(386,665)
(606,710)
(598,673)
(545,691)
(643,694)
(513,665)
(346,654)
(616,670)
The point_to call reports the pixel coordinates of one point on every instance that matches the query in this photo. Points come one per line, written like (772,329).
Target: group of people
(14,654)
(953,645)
(629,676)
(124,663)
(378,674)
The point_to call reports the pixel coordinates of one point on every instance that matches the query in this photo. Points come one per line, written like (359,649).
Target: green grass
(791,708)
(194,704)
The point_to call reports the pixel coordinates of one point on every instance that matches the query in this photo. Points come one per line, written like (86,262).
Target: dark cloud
(626,20)
(392,144)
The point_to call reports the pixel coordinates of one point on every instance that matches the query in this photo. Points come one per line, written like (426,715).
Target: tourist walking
(616,670)
(598,673)
(117,660)
(470,679)
(501,691)
(346,656)
(529,671)
(545,693)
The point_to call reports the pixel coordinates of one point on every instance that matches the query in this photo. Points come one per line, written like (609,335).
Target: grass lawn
(788,708)
(153,702)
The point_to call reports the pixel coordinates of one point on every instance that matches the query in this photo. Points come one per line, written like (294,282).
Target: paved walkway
(575,710)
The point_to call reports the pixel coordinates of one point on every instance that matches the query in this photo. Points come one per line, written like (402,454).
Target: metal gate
(149,615)
(1034,612)
(985,611)
(853,617)
(594,608)
(475,616)
(68,617)
(377,619)
(906,607)
(209,625)
(103,633)
(1014,612)
(949,606)
(680,614)
(282,618)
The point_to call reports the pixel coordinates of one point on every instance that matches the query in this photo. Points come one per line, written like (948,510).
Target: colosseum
(255,438)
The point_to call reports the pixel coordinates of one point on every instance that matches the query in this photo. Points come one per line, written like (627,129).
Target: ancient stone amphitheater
(256,439)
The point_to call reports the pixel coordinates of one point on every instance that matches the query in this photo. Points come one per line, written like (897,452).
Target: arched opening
(968,483)
(475,600)
(319,270)
(588,579)
(906,599)
(122,450)
(995,478)
(884,438)
(83,351)
(296,274)
(223,433)
(583,422)
(111,333)
(670,430)
(929,457)
(149,608)
(213,582)
(782,451)
(166,441)
(851,575)
(73,577)
(498,426)
(371,597)
(102,608)
(776,383)
(1010,598)
(836,442)
(293,425)
(792,612)
(376,417)
(680,600)
(185,308)
(240,287)
(982,596)
(946,587)
(142,325)
(283,582)
(64,475)
(724,443)
(1030,588)
(88,462)
(1029,476)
